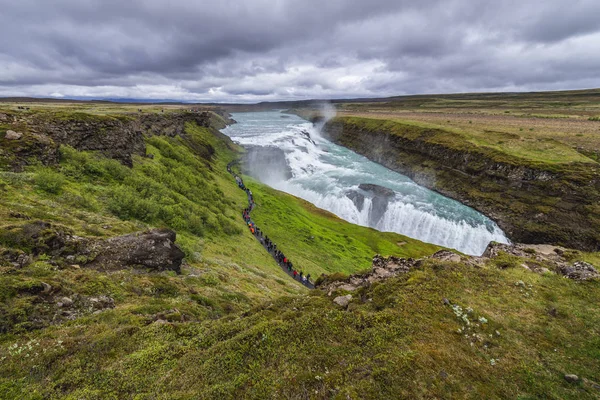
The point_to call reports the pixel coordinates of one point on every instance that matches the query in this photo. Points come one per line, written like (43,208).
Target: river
(288,153)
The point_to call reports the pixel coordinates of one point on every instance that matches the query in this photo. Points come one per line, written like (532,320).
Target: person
(308,277)
(295,274)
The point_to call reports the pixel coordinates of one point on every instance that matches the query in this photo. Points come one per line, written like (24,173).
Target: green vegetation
(507,334)
(318,241)
(232,324)
(496,145)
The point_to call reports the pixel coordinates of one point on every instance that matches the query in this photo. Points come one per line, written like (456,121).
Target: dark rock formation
(580,271)
(377,190)
(116,137)
(380,198)
(29,148)
(357,198)
(154,249)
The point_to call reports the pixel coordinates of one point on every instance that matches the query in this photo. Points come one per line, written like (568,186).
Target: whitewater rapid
(289,154)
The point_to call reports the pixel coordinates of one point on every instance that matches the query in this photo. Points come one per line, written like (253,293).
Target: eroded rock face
(116,137)
(20,149)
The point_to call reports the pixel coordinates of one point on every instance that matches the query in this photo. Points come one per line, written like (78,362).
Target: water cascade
(289,154)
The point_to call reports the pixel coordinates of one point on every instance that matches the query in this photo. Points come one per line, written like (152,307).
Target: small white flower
(493,361)
(483,320)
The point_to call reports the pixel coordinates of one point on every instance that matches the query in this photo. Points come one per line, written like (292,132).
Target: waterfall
(290,155)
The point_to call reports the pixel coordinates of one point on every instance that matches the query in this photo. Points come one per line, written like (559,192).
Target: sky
(258,50)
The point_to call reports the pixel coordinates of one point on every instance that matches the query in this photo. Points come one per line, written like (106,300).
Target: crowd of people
(267,243)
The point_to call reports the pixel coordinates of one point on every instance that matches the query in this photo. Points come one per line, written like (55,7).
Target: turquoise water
(295,158)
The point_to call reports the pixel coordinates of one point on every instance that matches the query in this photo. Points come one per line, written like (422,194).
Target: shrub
(505,260)
(49,180)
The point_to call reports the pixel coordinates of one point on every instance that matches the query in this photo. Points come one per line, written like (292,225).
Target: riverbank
(532,200)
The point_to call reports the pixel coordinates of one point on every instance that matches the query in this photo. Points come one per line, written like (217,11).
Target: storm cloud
(258,50)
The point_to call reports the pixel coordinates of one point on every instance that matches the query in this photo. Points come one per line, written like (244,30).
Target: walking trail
(285,263)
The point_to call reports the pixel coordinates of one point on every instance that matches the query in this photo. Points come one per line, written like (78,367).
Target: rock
(3,117)
(380,199)
(12,135)
(357,198)
(343,300)
(347,287)
(446,301)
(17,258)
(580,271)
(571,378)
(445,255)
(154,249)
(376,189)
(47,288)
(43,238)
(102,302)
(65,302)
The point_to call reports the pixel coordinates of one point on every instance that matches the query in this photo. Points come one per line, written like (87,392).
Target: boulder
(343,301)
(65,302)
(571,378)
(376,189)
(12,135)
(580,271)
(154,249)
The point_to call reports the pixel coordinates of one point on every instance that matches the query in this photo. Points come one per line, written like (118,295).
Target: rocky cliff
(533,203)
(117,136)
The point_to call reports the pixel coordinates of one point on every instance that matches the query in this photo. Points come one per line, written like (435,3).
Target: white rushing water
(289,154)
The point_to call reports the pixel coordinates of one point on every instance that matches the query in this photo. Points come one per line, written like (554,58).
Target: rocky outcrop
(381,269)
(380,198)
(154,250)
(531,203)
(538,259)
(20,149)
(118,137)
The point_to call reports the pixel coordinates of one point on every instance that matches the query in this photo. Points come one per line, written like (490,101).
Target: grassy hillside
(233,325)
(318,241)
(515,335)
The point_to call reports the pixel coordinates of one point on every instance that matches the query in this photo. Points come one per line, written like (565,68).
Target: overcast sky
(260,50)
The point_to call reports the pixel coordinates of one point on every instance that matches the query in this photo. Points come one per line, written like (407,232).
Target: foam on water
(328,175)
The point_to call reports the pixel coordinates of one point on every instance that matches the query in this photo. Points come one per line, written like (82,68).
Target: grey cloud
(263,50)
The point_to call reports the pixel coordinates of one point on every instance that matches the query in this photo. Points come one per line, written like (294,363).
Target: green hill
(232,324)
